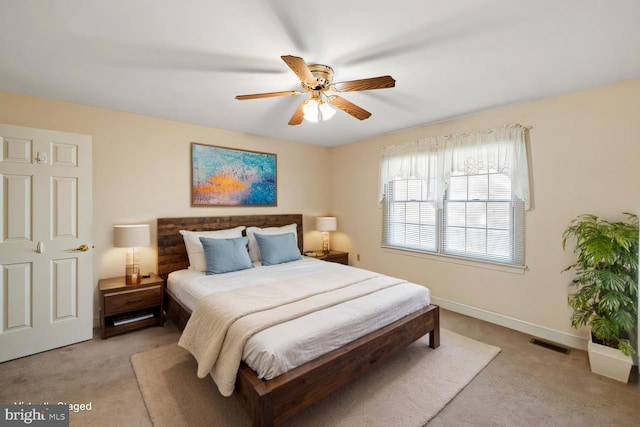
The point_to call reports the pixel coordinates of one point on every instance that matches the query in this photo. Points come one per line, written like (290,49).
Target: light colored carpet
(408,390)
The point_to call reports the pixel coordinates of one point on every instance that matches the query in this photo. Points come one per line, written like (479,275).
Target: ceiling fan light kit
(316,110)
(318,79)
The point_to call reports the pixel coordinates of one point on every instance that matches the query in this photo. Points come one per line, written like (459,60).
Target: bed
(269,402)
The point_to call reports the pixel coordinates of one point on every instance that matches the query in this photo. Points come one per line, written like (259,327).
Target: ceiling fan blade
(348,107)
(382,82)
(298,116)
(269,94)
(299,67)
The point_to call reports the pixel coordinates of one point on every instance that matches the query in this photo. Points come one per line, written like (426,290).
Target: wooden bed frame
(270,402)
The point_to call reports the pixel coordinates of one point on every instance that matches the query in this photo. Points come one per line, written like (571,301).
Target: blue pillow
(277,248)
(226,255)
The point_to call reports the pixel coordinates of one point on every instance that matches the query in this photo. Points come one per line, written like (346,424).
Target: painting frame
(224,176)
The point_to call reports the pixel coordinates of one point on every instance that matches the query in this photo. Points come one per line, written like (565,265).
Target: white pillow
(254,249)
(195,251)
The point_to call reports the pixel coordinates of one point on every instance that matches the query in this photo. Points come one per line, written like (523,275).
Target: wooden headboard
(172,254)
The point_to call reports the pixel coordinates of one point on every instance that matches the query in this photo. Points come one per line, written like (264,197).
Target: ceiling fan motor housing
(323,75)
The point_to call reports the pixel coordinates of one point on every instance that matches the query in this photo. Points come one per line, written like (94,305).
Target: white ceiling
(186,60)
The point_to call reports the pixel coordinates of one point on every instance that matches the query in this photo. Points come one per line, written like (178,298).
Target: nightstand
(125,307)
(334,256)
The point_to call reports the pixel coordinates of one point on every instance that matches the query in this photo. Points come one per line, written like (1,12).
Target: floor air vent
(550,346)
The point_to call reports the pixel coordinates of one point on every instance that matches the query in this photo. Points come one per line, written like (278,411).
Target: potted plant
(606,298)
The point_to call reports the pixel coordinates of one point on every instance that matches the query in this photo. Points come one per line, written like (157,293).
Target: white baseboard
(538,331)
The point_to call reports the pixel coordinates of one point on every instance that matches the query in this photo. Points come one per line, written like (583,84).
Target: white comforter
(379,300)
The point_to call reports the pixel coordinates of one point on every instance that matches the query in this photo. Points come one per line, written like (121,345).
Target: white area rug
(408,390)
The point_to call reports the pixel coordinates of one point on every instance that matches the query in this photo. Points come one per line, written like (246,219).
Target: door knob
(81,248)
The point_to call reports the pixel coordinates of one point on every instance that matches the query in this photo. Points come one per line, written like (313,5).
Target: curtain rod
(487,131)
(453,135)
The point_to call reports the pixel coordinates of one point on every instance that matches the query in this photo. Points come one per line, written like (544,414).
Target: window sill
(487,265)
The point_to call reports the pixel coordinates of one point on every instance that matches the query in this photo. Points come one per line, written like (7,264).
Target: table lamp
(325,224)
(131,236)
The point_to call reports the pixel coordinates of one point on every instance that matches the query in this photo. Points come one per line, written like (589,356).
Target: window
(482,219)
(411,219)
(462,196)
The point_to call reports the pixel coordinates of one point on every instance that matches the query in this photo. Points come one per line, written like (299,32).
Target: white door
(46,291)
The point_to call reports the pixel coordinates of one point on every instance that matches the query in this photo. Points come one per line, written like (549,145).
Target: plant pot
(609,362)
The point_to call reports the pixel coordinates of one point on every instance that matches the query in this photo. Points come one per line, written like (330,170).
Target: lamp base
(325,242)
(132,275)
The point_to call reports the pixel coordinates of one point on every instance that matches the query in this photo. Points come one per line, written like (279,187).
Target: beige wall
(584,158)
(584,153)
(142,171)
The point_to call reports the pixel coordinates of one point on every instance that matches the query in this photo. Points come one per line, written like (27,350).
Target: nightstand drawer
(340,258)
(132,299)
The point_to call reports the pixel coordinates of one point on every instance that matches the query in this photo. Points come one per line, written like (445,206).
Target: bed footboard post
(434,335)
(262,415)
(254,399)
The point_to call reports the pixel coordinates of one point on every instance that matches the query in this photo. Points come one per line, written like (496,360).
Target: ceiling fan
(317,79)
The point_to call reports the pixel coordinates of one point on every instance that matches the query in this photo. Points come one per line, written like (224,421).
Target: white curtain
(434,160)
(413,160)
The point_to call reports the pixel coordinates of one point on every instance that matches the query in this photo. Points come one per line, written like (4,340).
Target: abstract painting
(230,177)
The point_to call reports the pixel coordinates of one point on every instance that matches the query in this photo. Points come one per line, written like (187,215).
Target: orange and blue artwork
(230,177)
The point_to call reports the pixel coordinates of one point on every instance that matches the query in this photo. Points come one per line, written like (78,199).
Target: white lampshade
(129,236)
(326,223)
(310,110)
(326,111)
